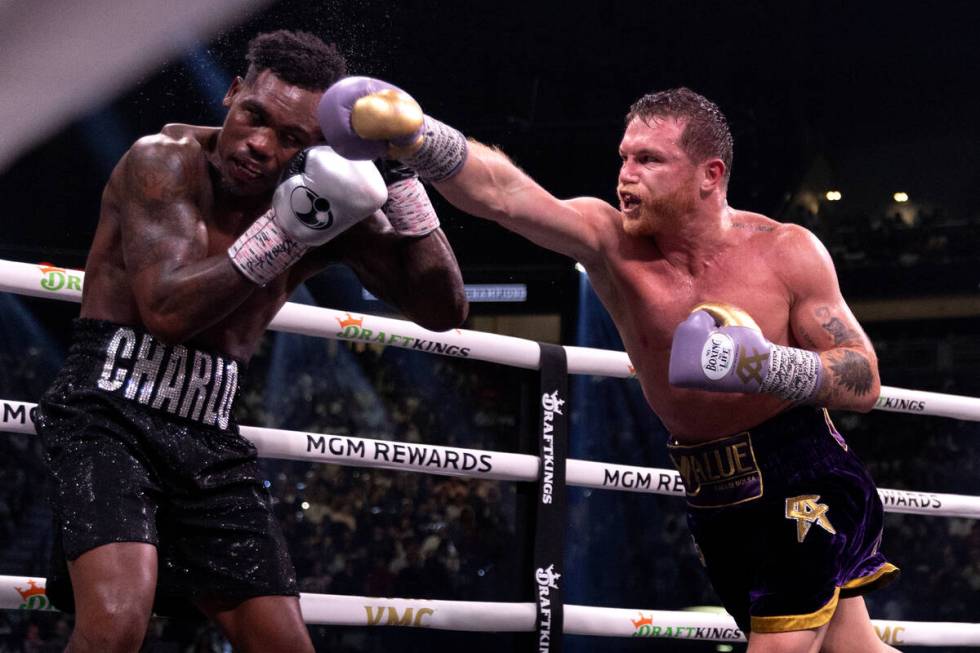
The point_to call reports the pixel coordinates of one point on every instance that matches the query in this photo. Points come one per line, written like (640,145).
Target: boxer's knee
(851,630)
(112,628)
(263,623)
(114,585)
(800,641)
(112,621)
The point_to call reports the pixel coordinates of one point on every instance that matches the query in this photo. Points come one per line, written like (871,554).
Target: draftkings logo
(552,406)
(54,278)
(547,580)
(350,322)
(902,405)
(33,597)
(352,328)
(807,512)
(644,627)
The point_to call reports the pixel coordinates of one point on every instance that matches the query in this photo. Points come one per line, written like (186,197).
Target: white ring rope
(59,283)
(16,416)
(18,592)
(325,609)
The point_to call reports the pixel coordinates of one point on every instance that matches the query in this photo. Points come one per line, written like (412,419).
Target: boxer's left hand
(720,348)
(408,209)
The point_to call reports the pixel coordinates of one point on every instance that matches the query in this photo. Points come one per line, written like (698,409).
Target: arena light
(834,196)
(901,197)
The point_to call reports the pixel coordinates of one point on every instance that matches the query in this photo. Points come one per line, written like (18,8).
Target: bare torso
(648,296)
(109,294)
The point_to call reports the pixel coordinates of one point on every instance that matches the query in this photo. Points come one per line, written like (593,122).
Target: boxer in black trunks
(155,491)
(670,264)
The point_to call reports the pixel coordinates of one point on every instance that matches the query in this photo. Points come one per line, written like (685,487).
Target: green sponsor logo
(34,597)
(55,278)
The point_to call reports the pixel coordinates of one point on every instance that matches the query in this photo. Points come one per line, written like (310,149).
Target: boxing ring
(18,592)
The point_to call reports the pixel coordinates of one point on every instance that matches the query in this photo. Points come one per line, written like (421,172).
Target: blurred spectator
(382,533)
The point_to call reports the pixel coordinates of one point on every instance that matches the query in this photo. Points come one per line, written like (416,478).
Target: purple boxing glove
(360,117)
(365,118)
(721,349)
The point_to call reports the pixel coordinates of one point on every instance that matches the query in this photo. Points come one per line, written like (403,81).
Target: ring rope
(496,465)
(52,282)
(17,592)
(59,283)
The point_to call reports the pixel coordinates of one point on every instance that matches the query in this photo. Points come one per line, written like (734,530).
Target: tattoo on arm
(156,176)
(807,339)
(851,371)
(842,334)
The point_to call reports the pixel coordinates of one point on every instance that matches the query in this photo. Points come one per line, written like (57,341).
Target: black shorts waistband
(731,470)
(128,362)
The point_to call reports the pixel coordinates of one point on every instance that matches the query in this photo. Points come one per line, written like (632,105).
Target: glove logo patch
(750,367)
(717,356)
(310,209)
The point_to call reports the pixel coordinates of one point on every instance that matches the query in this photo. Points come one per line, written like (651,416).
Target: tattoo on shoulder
(852,371)
(758,228)
(157,175)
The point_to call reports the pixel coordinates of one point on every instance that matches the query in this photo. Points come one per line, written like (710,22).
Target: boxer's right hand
(321,195)
(362,117)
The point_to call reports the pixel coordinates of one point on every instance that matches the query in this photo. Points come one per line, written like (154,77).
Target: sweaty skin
(178,199)
(171,208)
(671,244)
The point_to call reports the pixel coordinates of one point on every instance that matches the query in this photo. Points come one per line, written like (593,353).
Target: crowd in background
(899,251)
(382,533)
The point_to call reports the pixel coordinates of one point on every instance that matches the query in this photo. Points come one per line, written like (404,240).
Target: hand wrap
(720,348)
(442,153)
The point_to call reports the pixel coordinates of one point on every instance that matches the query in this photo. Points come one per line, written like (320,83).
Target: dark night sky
(885,92)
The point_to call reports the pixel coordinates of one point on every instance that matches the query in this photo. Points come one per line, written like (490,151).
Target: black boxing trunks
(787,521)
(141,447)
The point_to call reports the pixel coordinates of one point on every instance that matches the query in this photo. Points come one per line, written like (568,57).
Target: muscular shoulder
(165,166)
(779,238)
(604,218)
(794,240)
(798,257)
(594,208)
(793,252)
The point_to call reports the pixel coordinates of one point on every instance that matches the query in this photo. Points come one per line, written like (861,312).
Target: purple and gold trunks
(787,520)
